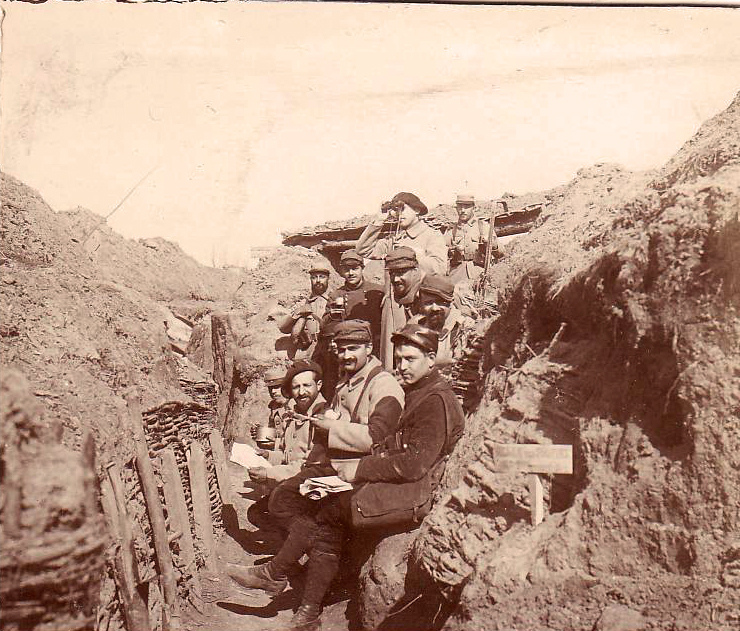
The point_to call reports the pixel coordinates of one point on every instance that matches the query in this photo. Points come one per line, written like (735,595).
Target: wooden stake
(125,568)
(536,499)
(222,471)
(177,509)
(156,514)
(201,503)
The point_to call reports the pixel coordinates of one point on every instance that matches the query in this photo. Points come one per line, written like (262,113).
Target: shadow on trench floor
(249,539)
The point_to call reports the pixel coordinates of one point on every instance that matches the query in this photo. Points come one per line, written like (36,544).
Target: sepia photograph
(363,316)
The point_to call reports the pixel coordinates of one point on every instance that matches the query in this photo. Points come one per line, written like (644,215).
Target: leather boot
(307,618)
(256,577)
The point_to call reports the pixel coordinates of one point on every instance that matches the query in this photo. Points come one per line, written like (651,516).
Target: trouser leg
(286,503)
(301,538)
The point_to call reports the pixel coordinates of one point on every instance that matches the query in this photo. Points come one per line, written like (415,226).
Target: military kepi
(440,286)
(320,266)
(275,376)
(351,256)
(401,258)
(296,368)
(352,332)
(413,333)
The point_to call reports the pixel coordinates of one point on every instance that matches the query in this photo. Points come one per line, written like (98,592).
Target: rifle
(489,246)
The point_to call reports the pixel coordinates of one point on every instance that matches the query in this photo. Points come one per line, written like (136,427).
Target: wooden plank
(171,614)
(222,471)
(177,508)
(201,503)
(536,499)
(532,458)
(125,568)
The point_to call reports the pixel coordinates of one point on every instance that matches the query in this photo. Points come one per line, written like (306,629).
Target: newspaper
(318,488)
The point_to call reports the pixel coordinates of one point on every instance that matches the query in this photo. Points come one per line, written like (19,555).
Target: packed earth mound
(618,334)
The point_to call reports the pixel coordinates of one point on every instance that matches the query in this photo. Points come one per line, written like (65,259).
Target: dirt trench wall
(625,345)
(52,552)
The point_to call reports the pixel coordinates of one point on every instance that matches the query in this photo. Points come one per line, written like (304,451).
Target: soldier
(301,384)
(405,279)
(433,308)
(305,321)
(466,242)
(273,380)
(366,410)
(428,430)
(428,243)
(362,299)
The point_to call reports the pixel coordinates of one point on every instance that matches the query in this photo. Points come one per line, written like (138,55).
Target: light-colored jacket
(428,243)
(376,409)
(293,446)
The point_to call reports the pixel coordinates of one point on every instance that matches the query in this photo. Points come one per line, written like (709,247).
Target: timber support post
(156,515)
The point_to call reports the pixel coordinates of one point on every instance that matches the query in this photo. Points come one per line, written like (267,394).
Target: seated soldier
(273,378)
(302,384)
(365,411)
(428,430)
(433,309)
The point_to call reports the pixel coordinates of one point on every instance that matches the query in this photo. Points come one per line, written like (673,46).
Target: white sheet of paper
(245,455)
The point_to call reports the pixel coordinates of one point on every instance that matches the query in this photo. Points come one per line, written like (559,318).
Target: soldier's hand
(346,471)
(326,420)
(265,453)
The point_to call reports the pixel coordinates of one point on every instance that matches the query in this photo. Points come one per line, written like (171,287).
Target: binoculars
(394,207)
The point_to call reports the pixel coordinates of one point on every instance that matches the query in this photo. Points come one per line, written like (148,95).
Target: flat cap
(464,198)
(402,257)
(349,256)
(349,331)
(296,368)
(319,266)
(438,285)
(412,201)
(414,333)
(275,376)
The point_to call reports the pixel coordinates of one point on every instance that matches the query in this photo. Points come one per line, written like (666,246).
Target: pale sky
(263,117)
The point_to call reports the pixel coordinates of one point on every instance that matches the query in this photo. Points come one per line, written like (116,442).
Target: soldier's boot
(257,577)
(307,618)
(322,568)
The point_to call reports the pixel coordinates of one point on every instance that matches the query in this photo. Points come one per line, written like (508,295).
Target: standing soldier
(433,308)
(362,299)
(428,243)
(466,242)
(305,321)
(405,279)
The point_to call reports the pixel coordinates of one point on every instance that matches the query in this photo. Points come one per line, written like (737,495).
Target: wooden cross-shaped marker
(535,460)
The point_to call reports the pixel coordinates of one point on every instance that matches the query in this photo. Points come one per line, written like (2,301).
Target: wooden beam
(154,509)
(177,508)
(125,567)
(222,470)
(201,504)
(536,499)
(531,458)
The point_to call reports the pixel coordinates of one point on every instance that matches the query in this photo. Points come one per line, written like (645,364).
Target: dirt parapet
(624,345)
